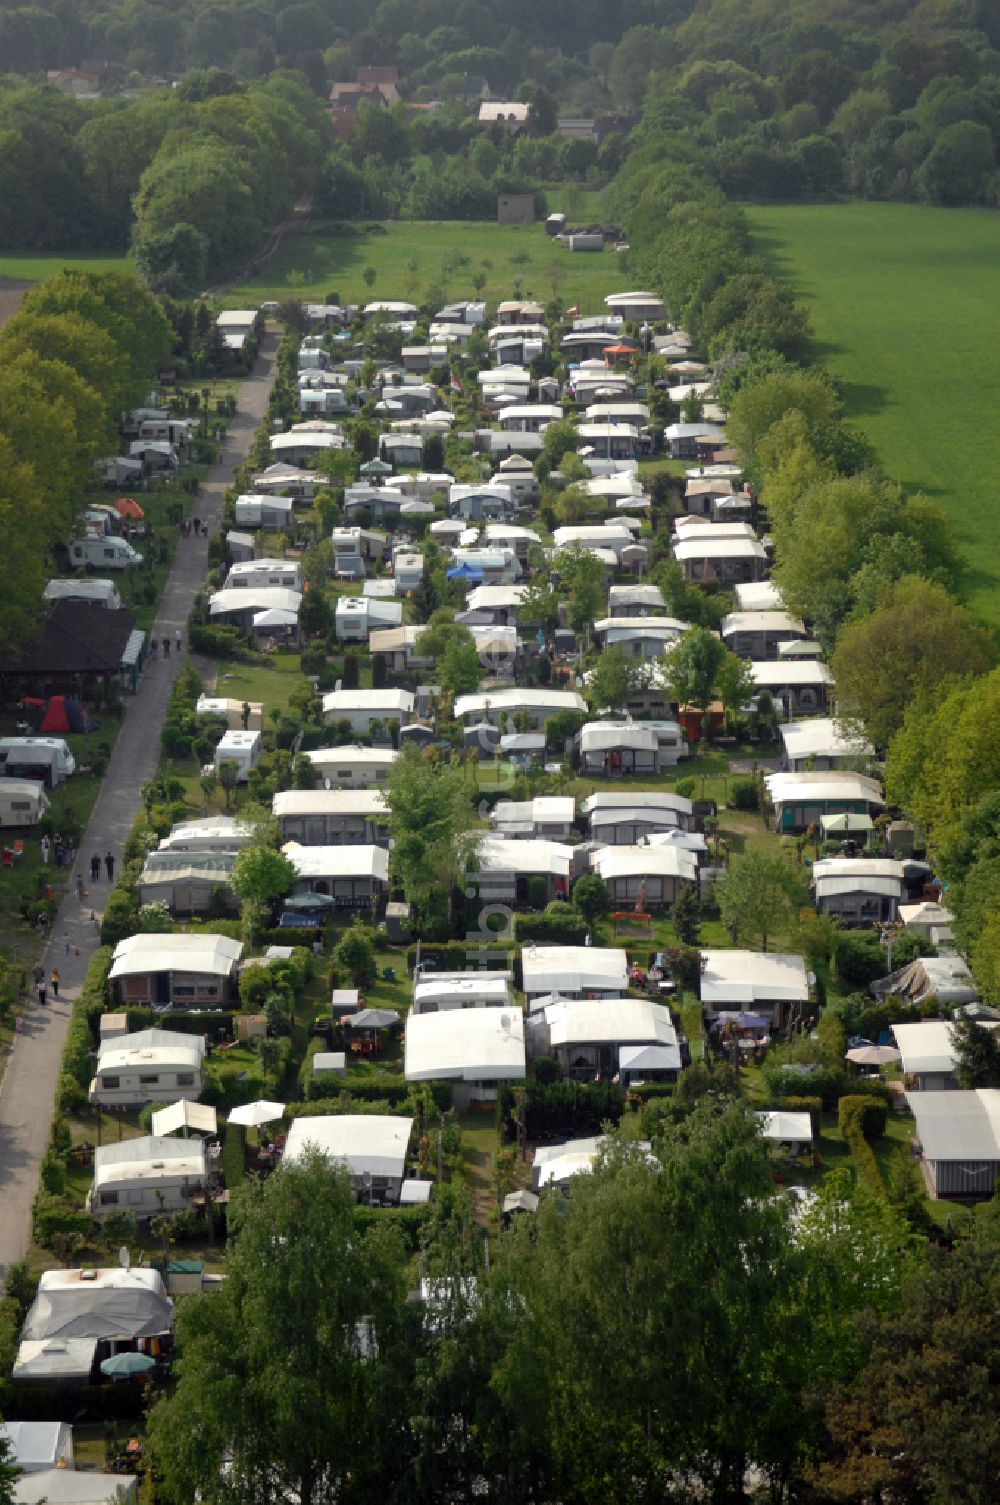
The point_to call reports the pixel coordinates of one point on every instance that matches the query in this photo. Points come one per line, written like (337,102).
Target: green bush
(561,1109)
(743,794)
(214,642)
(560,923)
(686,787)
(859,1120)
(860,958)
(538,891)
(77,1058)
(121,917)
(54,1218)
(824,1082)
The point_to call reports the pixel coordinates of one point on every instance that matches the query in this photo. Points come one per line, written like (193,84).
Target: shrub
(538,891)
(860,1119)
(821,1081)
(743,794)
(121,917)
(860,959)
(233,1157)
(214,642)
(686,788)
(565,1109)
(559,923)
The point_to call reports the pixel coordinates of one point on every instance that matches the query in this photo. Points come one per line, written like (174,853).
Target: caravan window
(149,1079)
(185,1079)
(20,804)
(135,1196)
(112,1083)
(109,1199)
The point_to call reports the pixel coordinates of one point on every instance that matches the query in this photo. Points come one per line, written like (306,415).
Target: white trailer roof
(574,969)
(771,674)
(760,621)
(786,1128)
(744,977)
(609,1021)
(367,1143)
(837,784)
(151,1158)
(213,954)
(497,855)
(925,1046)
(958,1125)
(822,737)
(369,803)
(636,799)
(468,1045)
(669,860)
(338,861)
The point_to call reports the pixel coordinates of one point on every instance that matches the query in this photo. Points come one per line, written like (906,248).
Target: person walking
(245,714)
(109,863)
(79,887)
(44,844)
(42,993)
(95,868)
(177,640)
(37,974)
(152,650)
(54,980)
(166,647)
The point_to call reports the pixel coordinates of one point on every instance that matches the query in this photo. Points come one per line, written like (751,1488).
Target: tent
(127,506)
(58,714)
(466,571)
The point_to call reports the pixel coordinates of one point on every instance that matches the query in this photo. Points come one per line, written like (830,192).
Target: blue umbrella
(123,1366)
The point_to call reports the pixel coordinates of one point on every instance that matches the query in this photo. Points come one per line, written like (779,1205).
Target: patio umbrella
(123,1366)
(372,1019)
(308,903)
(874,1055)
(127,506)
(751,1021)
(252,1115)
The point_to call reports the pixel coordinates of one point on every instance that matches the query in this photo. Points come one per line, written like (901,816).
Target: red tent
(56,717)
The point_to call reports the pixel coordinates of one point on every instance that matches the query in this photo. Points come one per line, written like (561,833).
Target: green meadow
(41,268)
(905,302)
(412,257)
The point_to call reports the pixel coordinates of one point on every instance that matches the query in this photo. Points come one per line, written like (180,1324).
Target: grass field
(41,268)
(905,301)
(410,257)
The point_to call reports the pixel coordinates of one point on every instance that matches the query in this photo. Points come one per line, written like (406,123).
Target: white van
(102,553)
(23,802)
(94,592)
(243,749)
(46,758)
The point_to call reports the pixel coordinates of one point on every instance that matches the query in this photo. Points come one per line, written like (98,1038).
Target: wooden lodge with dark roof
(81,650)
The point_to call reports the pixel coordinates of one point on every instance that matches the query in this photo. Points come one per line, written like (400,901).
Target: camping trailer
(93,592)
(241,748)
(45,758)
(22,802)
(102,553)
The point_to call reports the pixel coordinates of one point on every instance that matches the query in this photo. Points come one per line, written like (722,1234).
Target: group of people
(60,847)
(41,986)
(193,525)
(154,645)
(95,872)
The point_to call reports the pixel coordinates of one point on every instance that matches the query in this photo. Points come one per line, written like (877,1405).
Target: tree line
(83,348)
(874,570)
(676,1328)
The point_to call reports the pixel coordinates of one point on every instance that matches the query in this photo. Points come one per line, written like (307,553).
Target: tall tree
(430,823)
(917,637)
(616,678)
(287,1376)
(759,896)
(977,1053)
(700,668)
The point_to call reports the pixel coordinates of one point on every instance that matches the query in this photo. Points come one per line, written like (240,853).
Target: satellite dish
(123,1257)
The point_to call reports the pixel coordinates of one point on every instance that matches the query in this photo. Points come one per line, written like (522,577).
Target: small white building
(195,970)
(36,1445)
(286,572)
(23,802)
(149,1066)
(80,1316)
(631,601)
(801,686)
(757,634)
(799,800)
(626,819)
(508,871)
(474,1049)
(927,1055)
(45,759)
(147,1176)
(859,890)
(371,1147)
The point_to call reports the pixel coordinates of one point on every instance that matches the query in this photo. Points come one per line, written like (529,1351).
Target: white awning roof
(668,860)
(214,955)
(468,1045)
(746,977)
(574,969)
(338,861)
(959,1126)
(786,1128)
(185,1115)
(610,1021)
(372,1143)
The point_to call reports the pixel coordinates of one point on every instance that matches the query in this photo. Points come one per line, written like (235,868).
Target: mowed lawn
(41,268)
(411,257)
(905,301)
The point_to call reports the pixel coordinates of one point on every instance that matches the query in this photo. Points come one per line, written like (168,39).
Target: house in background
(574,971)
(646,877)
(351,766)
(361,708)
(859,890)
(587,1036)
(799,800)
(821,743)
(331,817)
(79,1317)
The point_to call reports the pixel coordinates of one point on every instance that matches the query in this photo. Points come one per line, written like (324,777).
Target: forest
(223,107)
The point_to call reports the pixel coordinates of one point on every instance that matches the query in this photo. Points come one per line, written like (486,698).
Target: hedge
(461,956)
(409,1220)
(811,1105)
(77,1065)
(564,1109)
(381,1088)
(821,1081)
(859,1119)
(565,929)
